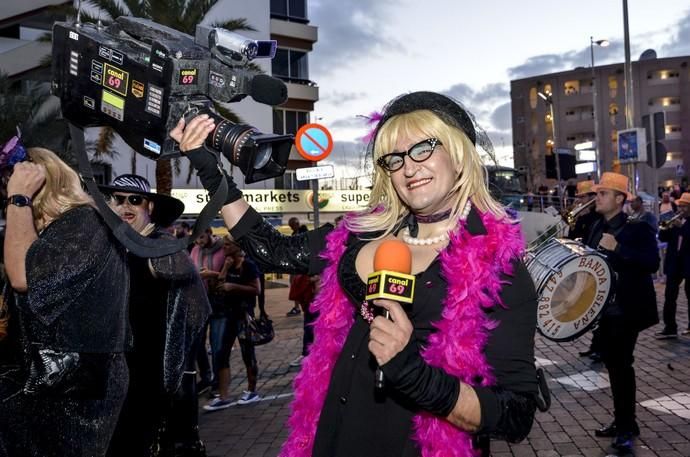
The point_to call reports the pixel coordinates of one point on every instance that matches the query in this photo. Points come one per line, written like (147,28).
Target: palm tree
(182,15)
(34,112)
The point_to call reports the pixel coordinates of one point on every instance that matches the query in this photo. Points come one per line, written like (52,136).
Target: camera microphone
(391,280)
(268,90)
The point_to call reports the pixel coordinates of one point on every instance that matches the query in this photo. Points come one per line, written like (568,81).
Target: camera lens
(260,156)
(263,155)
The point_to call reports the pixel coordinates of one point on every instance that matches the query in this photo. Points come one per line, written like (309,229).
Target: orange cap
(393,255)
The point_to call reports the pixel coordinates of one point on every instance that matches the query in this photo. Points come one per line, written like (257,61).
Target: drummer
(631,250)
(585,220)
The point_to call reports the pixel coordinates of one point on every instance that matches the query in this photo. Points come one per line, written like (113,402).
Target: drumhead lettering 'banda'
(574,283)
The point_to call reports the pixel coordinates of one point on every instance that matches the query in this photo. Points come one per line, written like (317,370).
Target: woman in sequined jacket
(458,363)
(63,376)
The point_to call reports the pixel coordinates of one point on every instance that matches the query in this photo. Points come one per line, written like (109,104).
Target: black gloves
(431,389)
(211,174)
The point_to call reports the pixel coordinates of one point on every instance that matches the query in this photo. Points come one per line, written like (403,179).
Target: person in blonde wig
(62,388)
(458,363)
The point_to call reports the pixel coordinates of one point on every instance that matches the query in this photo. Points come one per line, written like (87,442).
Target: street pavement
(581,398)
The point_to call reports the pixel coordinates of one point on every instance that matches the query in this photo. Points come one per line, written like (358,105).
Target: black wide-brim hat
(449,110)
(166,209)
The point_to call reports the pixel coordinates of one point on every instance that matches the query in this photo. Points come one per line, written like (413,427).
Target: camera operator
(63,388)
(168,309)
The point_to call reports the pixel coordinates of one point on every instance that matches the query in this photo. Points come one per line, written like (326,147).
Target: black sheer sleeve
(508,407)
(274,252)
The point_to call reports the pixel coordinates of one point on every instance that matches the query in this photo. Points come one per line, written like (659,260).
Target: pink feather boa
(472,264)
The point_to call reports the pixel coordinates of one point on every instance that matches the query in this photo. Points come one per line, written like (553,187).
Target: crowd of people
(106,352)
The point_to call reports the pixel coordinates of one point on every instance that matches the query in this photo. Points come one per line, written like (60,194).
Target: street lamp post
(602,43)
(548,99)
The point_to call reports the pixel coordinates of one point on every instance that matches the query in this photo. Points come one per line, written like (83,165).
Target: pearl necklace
(434,239)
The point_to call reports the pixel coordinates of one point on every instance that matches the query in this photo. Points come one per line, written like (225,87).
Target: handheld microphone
(391,280)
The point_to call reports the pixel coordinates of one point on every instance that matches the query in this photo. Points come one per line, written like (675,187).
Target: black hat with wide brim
(166,209)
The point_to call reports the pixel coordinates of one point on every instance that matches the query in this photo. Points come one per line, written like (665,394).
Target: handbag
(257,331)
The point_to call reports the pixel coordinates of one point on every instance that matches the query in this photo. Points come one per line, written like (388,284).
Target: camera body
(140,77)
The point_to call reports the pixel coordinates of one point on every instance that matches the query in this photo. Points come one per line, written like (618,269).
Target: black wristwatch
(19,200)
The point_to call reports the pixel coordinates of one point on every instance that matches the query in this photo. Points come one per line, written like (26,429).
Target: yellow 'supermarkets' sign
(282,200)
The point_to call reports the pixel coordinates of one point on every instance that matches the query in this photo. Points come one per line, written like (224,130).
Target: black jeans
(670,296)
(618,341)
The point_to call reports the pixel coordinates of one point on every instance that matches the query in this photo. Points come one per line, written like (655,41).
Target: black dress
(75,311)
(385,429)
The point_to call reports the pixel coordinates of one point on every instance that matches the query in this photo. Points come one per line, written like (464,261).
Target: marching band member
(676,265)
(631,250)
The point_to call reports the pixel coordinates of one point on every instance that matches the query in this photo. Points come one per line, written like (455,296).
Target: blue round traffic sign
(313,142)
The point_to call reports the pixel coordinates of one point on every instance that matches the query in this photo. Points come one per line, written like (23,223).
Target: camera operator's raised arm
(191,138)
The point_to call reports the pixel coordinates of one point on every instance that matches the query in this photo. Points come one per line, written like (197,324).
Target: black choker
(433,217)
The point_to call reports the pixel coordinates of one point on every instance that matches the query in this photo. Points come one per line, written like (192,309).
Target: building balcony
(294,30)
(20,56)
(302,90)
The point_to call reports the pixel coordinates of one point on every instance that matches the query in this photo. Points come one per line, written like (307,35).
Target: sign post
(314,142)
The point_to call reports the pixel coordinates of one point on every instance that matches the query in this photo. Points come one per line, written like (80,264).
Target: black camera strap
(137,244)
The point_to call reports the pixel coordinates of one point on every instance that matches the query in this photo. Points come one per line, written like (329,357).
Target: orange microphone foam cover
(393,255)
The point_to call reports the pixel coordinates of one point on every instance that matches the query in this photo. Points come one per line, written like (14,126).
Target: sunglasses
(134,200)
(418,153)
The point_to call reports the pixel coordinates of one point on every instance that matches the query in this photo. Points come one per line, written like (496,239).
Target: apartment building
(659,86)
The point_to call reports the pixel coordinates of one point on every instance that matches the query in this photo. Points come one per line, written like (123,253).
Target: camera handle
(137,244)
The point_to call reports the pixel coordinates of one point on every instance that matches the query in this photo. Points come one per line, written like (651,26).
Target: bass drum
(574,283)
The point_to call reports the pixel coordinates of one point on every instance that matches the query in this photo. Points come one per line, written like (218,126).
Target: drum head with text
(571,299)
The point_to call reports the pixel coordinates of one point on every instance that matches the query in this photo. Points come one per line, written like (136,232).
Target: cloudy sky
(370,51)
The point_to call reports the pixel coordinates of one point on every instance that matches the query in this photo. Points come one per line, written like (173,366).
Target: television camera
(140,78)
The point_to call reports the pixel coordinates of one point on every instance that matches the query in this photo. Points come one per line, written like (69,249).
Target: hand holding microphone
(389,285)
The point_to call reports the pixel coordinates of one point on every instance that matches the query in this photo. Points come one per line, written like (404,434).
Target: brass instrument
(667,224)
(572,215)
(558,229)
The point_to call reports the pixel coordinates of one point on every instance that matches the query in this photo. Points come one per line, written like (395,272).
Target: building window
(288,121)
(533,98)
(571,87)
(663,75)
(613,86)
(290,64)
(613,113)
(288,180)
(291,10)
(664,101)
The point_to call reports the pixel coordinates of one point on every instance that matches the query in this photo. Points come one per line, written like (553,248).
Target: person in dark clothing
(631,250)
(459,362)
(676,267)
(239,282)
(63,374)
(168,308)
(297,282)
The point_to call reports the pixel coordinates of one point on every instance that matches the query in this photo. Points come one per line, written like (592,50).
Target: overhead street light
(548,99)
(602,43)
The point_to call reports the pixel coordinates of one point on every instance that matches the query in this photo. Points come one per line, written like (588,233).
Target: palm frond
(45,38)
(111,7)
(137,8)
(195,10)
(190,174)
(104,143)
(235,25)
(227,114)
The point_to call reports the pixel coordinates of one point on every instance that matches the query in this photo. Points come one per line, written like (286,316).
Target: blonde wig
(61,192)
(386,209)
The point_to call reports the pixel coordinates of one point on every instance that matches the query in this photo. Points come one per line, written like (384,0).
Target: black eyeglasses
(418,153)
(134,200)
